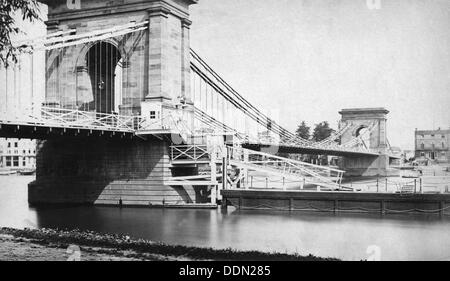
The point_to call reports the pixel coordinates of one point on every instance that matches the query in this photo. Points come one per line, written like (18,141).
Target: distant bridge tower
(369,121)
(129,58)
(368,125)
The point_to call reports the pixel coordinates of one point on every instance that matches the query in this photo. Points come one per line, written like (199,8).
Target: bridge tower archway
(102,63)
(363,133)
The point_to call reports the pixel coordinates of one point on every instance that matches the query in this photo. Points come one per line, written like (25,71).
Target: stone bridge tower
(144,73)
(127,74)
(369,120)
(370,125)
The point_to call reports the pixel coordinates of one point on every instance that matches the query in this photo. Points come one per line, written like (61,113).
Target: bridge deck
(309,150)
(41,131)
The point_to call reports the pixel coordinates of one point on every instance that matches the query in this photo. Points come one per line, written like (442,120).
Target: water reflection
(344,235)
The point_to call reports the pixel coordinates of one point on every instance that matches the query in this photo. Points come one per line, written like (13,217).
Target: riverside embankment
(75,245)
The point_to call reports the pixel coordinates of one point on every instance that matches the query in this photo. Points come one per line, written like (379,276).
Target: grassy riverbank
(52,244)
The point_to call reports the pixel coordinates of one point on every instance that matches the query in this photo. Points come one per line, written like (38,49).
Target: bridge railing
(72,118)
(189,153)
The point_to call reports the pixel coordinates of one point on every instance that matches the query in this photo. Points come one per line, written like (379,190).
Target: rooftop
(432,132)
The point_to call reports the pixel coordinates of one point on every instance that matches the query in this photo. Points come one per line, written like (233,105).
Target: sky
(311,58)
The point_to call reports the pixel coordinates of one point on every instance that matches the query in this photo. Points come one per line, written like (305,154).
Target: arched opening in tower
(364,134)
(104,66)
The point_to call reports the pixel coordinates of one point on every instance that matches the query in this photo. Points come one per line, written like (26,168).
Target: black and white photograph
(229,131)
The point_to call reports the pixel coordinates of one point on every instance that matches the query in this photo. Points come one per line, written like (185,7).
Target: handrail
(287,165)
(88,119)
(183,152)
(292,160)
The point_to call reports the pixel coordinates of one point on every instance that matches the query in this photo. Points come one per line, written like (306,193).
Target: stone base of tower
(367,166)
(106,171)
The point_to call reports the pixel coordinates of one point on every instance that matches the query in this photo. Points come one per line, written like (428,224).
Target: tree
(322,131)
(303,131)
(29,10)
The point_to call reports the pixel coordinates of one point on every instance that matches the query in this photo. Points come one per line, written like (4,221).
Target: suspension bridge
(127,105)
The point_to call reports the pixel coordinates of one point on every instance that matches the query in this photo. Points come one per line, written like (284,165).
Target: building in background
(17,154)
(432,145)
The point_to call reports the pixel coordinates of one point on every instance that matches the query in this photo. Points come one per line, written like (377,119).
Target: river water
(346,236)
